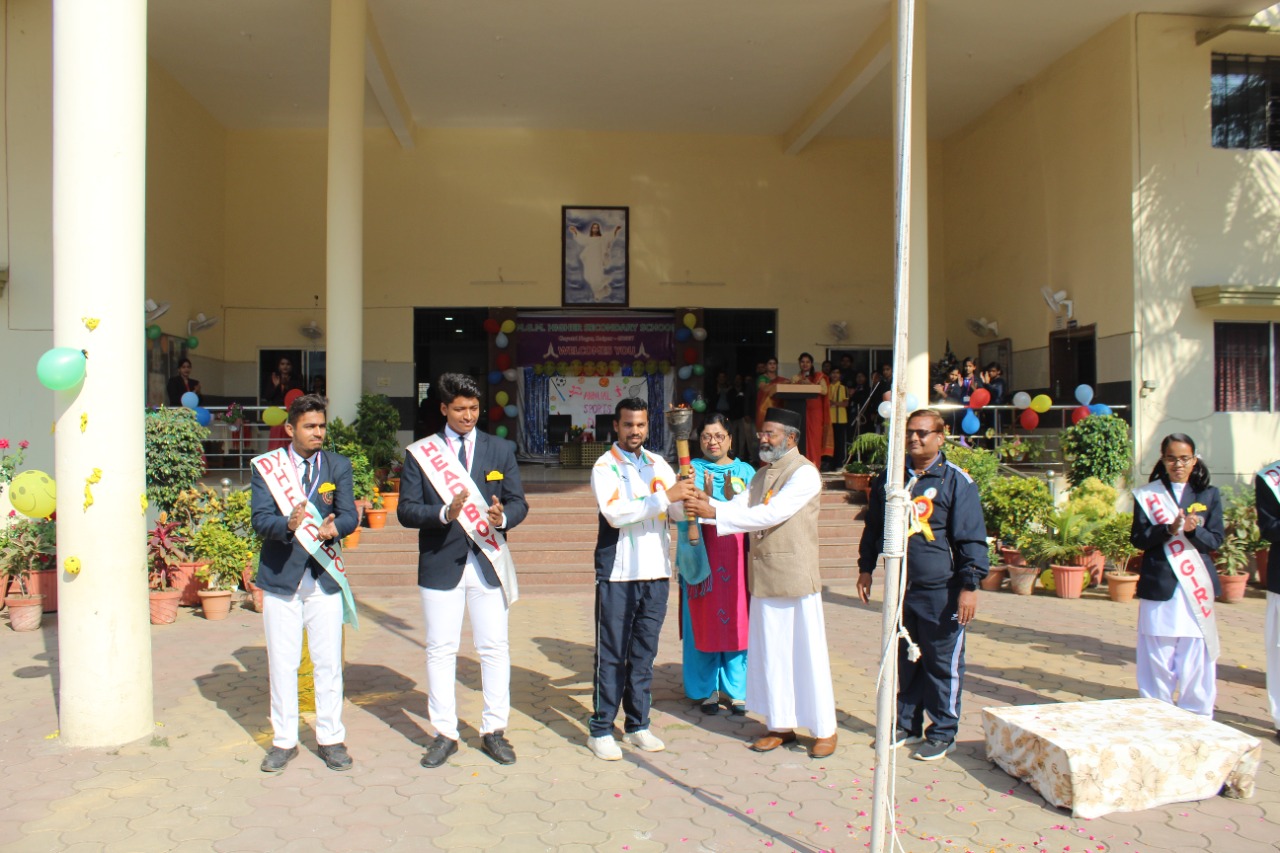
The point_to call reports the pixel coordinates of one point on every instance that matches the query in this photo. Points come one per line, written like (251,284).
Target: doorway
(1073,360)
(447,340)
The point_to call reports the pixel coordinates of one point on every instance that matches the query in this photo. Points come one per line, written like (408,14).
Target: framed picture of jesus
(594,255)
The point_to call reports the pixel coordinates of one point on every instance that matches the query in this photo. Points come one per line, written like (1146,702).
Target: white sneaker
(646,740)
(604,747)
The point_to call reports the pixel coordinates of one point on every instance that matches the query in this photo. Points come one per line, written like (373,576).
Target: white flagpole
(895,544)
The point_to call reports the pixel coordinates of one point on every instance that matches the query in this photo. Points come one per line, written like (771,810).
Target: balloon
(193,342)
(699,334)
(510,410)
(615,365)
(492,326)
(1099,409)
(690,321)
(537,370)
(291,396)
(575,364)
(1084,395)
(60,368)
(885,409)
(501,341)
(204,417)
(651,366)
(664,366)
(549,369)
(507,327)
(638,368)
(1041,404)
(604,382)
(510,373)
(500,431)
(1021,400)
(683,334)
(191,399)
(690,355)
(602,368)
(589,368)
(685,372)
(970,424)
(626,371)
(913,403)
(274,416)
(496,413)
(979,398)
(562,367)
(34,494)
(699,405)
(690,395)
(504,362)
(502,398)
(1079,413)
(154,331)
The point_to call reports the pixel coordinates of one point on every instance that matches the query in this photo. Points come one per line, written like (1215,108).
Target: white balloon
(1022,400)
(913,402)
(699,334)
(886,409)
(509,374)
(500,341)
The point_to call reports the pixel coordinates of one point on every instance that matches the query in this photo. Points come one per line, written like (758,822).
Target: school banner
(608,338)
(584,397)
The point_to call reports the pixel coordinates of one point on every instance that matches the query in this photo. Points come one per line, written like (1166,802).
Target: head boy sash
(447,476)
(278,473)
(1187,564)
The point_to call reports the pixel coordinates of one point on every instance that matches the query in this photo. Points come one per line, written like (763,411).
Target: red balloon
(979,398)
(492,326)
(1029,419)
(496,414)
(690,355)
(504,361)
(1079,413)
(291,396)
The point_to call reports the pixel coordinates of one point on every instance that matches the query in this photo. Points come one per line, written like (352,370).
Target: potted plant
(1097,446)
(997,572)
(982,466)
(1009,507)
(377,422)
(226,553)
(1112,538)
(857,477)
(376,516)
(237,514)
(170,570)
(1096,501)
(24,546)
(1232,561)
(175,454)
(390,497)
(1058,543)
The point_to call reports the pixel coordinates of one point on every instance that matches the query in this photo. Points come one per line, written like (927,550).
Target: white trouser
(283,618)
(1271,636)
(788,669)
(1166,664)
(442,610)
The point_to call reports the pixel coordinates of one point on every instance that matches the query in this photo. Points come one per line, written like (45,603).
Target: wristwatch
(969,586)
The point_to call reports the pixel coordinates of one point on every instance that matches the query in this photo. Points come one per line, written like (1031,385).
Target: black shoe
(498,747)
(276,759)
(439,751)
(738,708)
(335,756)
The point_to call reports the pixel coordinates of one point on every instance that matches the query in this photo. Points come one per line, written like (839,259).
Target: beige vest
(784,559)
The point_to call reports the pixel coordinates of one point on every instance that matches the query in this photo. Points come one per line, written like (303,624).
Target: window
(1245,373)
(1246,101)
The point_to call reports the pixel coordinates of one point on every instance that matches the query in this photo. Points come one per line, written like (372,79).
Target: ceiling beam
(382,80)
(871,57)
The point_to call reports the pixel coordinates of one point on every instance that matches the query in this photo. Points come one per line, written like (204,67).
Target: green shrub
(1093,499)
(1012,503)
(376,423)
(1059,538)
(979,464)
(1111,537)
(175,455)
(1098,446)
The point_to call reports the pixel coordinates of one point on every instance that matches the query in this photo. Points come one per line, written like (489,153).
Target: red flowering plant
(166,548)
(9,462)
(28,545)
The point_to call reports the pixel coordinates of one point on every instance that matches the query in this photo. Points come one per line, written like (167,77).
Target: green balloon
(698,370)
(153,331)
(60,368)
(501,431)
(699,405)
(638,368)
(193,342)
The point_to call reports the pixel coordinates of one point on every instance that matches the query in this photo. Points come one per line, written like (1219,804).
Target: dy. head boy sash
(282,481)
(1188,566)
(1271,476)
(447,476)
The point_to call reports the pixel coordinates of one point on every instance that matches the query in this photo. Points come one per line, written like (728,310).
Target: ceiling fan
(982,327)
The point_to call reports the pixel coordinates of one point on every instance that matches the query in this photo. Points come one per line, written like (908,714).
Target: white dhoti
(788,670)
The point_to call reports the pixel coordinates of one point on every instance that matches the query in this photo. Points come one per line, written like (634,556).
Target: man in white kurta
(788,668)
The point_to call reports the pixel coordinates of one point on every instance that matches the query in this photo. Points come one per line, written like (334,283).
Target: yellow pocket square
(493,475)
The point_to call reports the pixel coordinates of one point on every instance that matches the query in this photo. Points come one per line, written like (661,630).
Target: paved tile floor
(195,785)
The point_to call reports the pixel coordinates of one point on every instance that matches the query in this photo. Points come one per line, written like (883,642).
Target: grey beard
(773,454)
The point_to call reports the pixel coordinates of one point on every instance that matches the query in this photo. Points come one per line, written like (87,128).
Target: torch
(680,422)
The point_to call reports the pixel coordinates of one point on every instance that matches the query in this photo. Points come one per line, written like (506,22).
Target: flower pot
(1022,579)
(351,540)
(390,500)
(1233,586)
(45,582)
(1121,587)
(164,606)
(258,594)
(377,518)
(994,579)
(1093,560)
(857,482)
(1262,557)
(394,483)
(182,577)
(216,603)
(1068,581)
(1012,557)
(25,611)
(246,579)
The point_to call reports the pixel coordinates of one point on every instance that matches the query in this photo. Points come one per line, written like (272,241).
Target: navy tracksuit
(935,573)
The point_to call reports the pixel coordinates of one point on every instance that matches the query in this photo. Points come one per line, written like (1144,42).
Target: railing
(229,447)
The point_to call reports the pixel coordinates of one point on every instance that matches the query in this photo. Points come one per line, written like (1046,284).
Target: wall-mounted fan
(839,331)
(982,327)
(155,310)
(1057,301)
(311,330)
(200,323)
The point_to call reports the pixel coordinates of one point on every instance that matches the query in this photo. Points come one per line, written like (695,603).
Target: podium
(794,397)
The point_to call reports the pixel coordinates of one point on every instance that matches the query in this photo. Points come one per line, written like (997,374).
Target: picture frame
(595,257)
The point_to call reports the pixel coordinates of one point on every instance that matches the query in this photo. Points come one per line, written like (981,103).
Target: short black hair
(304,404)
(631,404)
(995,365)
(185,361)
(454,385)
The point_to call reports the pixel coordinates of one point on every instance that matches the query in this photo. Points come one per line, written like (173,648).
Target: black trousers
(933,683)
(629,616)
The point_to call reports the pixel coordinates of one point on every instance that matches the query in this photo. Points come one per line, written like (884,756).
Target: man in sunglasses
(946,558)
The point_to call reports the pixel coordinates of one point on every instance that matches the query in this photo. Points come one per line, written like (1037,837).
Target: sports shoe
(438,751)
(644,739)
(933,750)
(902,737)
(276,759)
(335,756)
(604,747)
(498,747)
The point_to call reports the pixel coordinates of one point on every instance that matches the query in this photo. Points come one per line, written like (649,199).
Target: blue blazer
(284,559)
(1268,525)
(443,548)
(1156,580)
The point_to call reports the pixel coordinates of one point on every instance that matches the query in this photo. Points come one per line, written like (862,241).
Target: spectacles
(718,439)
(921,434)
(1178,460)
(768,434)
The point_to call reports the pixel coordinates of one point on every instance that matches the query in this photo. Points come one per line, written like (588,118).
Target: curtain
(1242,375)
(533,414)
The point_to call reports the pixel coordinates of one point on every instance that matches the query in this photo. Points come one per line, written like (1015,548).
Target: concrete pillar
(345,222)
(918,313)
(99,181)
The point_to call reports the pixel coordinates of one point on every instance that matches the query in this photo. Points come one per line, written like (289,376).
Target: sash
(1271,476)
(447,476)
(282,482)
(1188,566)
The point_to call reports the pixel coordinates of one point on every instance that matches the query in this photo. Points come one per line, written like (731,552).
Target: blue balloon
(683,334)
(1099,409)
(1084,395)
(495,376)
(970,424)
(511,411)
(690,395)
(685,372)
(191,399)
(627,371)
(203,416)
(913,403)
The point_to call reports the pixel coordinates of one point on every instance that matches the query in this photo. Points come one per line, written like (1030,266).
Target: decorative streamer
(536,410)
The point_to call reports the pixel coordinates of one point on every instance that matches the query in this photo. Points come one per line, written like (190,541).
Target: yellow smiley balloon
(34,494)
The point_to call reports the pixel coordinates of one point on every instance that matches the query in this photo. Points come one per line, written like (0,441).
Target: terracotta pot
(1022,579)
(857,482)
(183,577)
(1068,581)
(1093,560)
(216,603)
(390,500)
(377,518)
(394,483)
(246,579)
(45,582)
(1262,557)
(25,612)
(164,606)
(1121,587)
(994,579)
(351,540)
(1233,586)
(1012,557)
(258,595)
